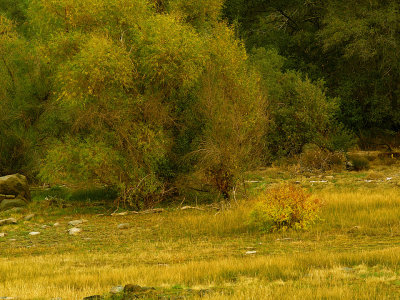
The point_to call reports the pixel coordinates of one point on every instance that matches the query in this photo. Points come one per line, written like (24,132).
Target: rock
(15,185)
(250,252)
(7,204)
(123,226)
(29,217)
(74,231)
(33,233)
(76,222)
(95,297)
(56,224)
(133,288)
(2,234)
(120,214)
(44,226)
(153,211)
(117,289)
(8,221)
(8,298)
(192,207)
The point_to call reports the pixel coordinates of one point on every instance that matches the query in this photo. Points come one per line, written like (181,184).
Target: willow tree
(138,92)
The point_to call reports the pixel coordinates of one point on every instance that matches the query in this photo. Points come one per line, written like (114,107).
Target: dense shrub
(314,158)
(285,207)
(358,163)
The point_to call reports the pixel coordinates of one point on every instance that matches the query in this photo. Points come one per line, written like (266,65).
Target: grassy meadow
(352,253)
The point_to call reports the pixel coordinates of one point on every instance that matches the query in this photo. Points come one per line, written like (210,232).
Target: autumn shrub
(313,158)
(285,207)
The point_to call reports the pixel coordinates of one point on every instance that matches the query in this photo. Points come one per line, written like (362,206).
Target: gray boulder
(7,204)
(14,191)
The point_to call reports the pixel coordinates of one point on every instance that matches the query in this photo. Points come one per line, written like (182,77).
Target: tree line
(159,98)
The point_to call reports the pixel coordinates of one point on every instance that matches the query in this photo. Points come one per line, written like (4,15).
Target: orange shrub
(284,207)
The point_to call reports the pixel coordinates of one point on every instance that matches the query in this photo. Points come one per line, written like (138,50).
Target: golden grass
(354,253)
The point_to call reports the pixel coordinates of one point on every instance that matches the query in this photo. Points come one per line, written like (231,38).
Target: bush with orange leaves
(285,207)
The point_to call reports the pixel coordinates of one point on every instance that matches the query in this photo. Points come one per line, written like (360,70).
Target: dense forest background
(164,97)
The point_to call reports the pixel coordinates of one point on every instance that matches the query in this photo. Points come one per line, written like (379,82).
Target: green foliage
(313,158)
(300,111)
(201,14)
(358,163)
(233,111)
(285,207)
(22,90)
(146,98)
(355,48)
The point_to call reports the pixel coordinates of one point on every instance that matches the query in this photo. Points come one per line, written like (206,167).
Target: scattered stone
(318,181)
(250,248)
(389,178)
(76,222)
(74,231)
(250,252)
(123,226)
(120,214)
(191,207)
(95,297)
(133,288)
(15,185)
(117,289)
(8,221)
(8,204)
(44,226)
(329,177)
(34,233)
(29,217)
(56,224)
(8,298)
(2,234)
(12,240)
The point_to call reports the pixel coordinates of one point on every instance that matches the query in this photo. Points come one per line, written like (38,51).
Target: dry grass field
(352,253)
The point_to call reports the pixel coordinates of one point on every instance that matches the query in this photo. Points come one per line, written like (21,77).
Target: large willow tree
(144,95)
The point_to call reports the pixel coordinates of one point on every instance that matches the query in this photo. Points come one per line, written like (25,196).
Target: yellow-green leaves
(199,13)
(102,69)
(170,53)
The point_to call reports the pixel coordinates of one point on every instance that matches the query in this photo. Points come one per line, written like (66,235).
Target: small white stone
(2,234)
(74,231)
(251,252)
(75,222)
(34,233)
(28,217)
(117,289)
(123,226)
(56,224)
(44,226)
